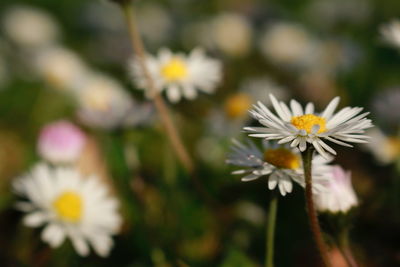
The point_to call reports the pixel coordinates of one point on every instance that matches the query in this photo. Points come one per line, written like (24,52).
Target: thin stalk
(312,214)
(269,249)
(160,105)
(344,247)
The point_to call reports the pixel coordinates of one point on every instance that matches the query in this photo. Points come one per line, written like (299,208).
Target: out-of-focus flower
(234,112)
(391,33)
(229,33)
(339,195)
(386,149)
(281,164)
(287,44)
(70,206)
(104,103)
(300,126)
(181,76)
(386,107)
(60,142)
(60,67)
(30,27)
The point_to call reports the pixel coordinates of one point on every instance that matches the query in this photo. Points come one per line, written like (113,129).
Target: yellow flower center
(306,122)
(68,206)
(174,70)
(282,158)
(237,105)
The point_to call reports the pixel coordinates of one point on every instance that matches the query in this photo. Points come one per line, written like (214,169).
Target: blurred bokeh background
(67,60)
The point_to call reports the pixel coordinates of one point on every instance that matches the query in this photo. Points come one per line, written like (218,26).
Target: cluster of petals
(343,127)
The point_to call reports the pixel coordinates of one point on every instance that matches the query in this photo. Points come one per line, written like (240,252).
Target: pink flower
(60,142)
(339,195)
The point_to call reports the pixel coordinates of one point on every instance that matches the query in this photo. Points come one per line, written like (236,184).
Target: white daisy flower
(181,76)
(301,126)
(340,195)
(30,27)
(391,33)
(69,206)
(281,164)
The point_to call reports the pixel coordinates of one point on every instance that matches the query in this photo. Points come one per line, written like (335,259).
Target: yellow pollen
(174,70)
(306,122)
(68,206)
(236,106)
(282,158)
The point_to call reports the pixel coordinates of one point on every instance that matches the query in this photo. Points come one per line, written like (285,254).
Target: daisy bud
(339,195)
(60,142)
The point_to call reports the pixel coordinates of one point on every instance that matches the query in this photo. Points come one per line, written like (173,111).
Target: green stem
(312,214)
(161,107)
(273,207)
(344,247)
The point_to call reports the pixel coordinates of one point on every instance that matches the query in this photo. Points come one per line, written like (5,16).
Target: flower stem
(273,207)
(344,247)
(312,214)
(161,107)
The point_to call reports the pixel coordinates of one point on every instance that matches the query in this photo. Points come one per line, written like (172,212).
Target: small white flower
(391,33)
(69,206)
(301,126)
(30,27)
(281,164)
(179,75)
(339,195)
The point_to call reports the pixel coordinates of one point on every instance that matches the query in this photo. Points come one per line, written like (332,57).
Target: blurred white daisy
(339,195)
(179,75)
(391,33)
(287,44)
(60,67)
(104,103)
(30,27)
(281,164)
(301,126)
(69,206)
(385,149)
(229,33)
